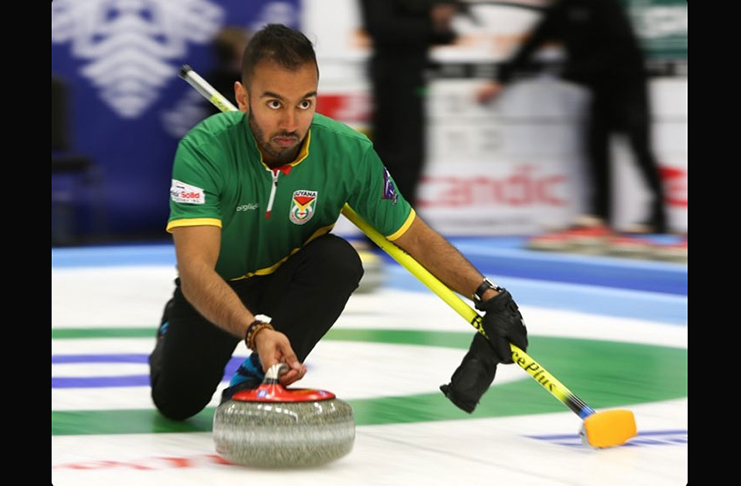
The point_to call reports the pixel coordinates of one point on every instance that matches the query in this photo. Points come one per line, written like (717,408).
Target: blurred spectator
(402,31)
(604,55)
(228,46)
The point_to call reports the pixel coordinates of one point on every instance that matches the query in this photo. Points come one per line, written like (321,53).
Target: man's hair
(287,47)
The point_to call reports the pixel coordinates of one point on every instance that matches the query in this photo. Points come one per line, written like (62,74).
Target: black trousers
(626,111)
(399,120)
(304,297)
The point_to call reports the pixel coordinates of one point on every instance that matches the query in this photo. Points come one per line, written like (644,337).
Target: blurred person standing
(603,54)
(402,32)
(227,46)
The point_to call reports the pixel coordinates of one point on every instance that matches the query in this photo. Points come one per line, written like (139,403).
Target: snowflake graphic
(130,43)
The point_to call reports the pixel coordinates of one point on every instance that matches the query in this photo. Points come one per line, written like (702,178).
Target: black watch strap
(487,284)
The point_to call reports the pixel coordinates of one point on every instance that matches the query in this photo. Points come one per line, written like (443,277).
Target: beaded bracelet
(249,328)
(252,331)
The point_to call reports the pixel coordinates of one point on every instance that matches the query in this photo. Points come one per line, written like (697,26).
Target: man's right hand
(273,347)
(441,15)
(489,91)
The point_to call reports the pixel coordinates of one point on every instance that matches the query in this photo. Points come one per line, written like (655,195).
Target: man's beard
(278,158)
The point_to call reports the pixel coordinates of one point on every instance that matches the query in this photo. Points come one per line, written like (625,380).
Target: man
(603,54)
(254,197)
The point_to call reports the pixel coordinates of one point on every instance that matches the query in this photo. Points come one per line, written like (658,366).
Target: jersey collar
(302,154)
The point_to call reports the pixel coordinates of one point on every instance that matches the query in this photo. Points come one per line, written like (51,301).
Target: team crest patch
(303,205)
(389,187)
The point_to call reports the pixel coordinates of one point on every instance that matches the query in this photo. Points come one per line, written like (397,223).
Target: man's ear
(242,96)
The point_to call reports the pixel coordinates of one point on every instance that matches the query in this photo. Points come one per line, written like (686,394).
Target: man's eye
(305,105)
(274,104)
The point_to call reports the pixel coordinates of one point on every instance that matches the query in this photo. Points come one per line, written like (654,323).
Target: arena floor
(613,330)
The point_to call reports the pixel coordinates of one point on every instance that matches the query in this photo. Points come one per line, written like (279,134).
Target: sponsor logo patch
(303,205)
(247,207)
(180,192)
(389,188)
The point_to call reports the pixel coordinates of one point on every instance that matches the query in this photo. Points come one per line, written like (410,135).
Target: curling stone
(590,240)
(549,242)
(276,427)
(630,247)
(673,252)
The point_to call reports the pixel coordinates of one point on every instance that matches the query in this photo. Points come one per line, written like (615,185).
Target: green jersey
(265,214)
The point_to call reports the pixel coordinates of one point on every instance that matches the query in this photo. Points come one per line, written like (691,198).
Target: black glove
(503,325)
(474,376)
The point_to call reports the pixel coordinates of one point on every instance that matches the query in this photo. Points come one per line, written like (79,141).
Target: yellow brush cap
(609,428)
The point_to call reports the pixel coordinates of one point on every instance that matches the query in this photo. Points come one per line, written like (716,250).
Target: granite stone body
(276,435)
(269,433)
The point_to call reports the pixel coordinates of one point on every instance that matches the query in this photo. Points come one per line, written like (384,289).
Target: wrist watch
(487,284)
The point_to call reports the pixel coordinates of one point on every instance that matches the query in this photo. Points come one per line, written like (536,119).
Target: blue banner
(119,60)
